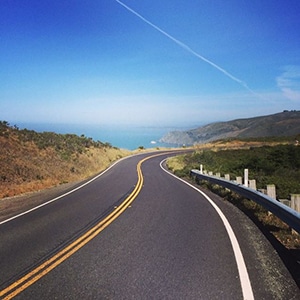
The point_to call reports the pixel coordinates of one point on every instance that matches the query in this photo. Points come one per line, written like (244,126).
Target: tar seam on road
(242,269)
(24,282)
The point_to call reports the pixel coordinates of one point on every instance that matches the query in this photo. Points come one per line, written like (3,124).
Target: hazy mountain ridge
(286,123)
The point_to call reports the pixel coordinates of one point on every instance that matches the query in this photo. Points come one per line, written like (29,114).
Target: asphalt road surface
(136,232)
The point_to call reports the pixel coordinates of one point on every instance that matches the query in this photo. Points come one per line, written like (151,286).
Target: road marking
(242,269)
(63,195)
(74,190)
(27,280)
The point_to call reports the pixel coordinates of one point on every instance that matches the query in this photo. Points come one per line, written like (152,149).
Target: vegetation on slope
(30,161)
(279,165)
(281,124)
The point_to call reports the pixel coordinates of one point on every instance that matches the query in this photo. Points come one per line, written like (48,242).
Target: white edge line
(63,195)
(242,269)
(72,191)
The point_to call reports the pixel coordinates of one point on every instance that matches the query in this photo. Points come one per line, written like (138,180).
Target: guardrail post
(239,180)
(252,184)
(271,191)
(285,213)
(246,177)
(218,175)
(201,169)
(295,202)
(227,177)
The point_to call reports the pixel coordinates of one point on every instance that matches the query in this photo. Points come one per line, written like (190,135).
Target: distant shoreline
(128,137)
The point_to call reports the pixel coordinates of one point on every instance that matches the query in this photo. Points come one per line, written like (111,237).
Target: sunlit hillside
(31,161)
(286,123)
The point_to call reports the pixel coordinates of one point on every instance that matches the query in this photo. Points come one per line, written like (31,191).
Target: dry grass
(236,144)
(176,163)
(268,221)
(25,168)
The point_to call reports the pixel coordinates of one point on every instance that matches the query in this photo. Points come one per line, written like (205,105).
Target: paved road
(169,243)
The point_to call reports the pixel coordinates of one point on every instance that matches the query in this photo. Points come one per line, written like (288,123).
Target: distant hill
(286,123)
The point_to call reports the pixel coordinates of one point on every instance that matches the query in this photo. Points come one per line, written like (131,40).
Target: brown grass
(236,144)
(25,168)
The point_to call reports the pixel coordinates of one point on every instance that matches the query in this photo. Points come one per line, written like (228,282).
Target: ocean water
(127,137)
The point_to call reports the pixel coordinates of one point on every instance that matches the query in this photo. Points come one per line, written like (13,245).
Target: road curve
(135,232)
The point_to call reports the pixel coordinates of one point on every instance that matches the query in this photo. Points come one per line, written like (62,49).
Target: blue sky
(148,62)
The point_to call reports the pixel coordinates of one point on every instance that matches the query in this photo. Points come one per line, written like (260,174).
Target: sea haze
(122,136)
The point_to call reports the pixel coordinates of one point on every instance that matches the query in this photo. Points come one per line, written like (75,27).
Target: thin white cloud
(289,83)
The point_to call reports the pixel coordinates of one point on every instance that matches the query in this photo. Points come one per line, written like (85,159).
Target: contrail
(187,48)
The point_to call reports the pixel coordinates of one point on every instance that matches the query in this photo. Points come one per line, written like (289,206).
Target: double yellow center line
(43,269)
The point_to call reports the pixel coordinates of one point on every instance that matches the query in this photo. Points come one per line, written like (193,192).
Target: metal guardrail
(283,212)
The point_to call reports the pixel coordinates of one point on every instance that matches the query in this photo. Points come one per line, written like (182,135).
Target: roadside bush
(279,165)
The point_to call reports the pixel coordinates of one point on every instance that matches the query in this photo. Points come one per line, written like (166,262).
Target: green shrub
(279,165)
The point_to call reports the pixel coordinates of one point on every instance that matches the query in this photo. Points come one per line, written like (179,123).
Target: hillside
(30,161)
(286,123)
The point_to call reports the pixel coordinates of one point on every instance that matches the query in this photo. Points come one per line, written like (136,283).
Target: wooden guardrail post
(252,184)
(295,202)
(285,213)
(271,191)
(246,175)
(239,180)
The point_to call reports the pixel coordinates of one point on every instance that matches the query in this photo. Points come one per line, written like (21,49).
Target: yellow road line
(33,276)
